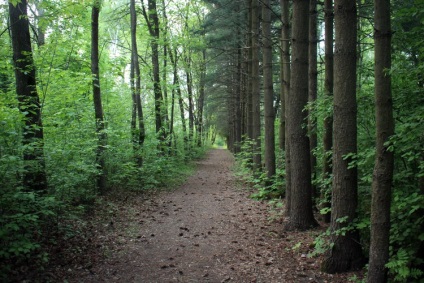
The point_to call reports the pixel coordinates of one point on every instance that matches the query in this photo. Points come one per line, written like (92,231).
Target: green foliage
(407,236)
(269,188)
(400,267)
(64,81)
(266,188)
(25,217)
(322,244)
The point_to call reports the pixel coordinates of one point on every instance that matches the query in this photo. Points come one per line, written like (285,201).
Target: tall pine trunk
(239,99)
(313,85)
(285,38)
(256,95)
(328,121)
(282,113)
(301,215)
(34,175)
(268,91)
(345,254)
(97,99)
(384,159)
(249,105)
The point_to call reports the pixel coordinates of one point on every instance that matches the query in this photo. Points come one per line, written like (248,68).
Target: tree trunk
(183,120)
(256,95)
(41,36)
(239,94)
(153,23)
(285,34)
(231,117)
(174,89)
(97,99)
(328,121)
(301,215)
(189,82)
(138,134)
(201,99)
(282,125)
(268,91)
(174,60)
(346,253)
(384,159)
(164,106)
(313,86)
(249,105)
(134,135)
(34,174)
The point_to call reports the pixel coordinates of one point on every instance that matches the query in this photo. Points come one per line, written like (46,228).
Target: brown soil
(207,230)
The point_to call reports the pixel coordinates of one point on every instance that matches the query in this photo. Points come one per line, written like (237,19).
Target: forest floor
(206,230)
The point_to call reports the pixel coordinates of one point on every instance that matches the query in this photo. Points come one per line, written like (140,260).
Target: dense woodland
(322,104)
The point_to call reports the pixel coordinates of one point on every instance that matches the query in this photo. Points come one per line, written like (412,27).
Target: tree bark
(283,46)
(346,253)
(328,121)
(138,134)
(153,24)
(189,82)
(41,36)
(239,94)
(313,86)
(174,60)
(249,105)
(301,214)
(384,159)
(256,96)
(164,106)
(177,87)
(174,89)
(285,35)
(282,116)
(97,99)
(201,100)
(34,174)
(268,91)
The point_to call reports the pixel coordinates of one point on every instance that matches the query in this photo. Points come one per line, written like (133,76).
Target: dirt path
(207,230)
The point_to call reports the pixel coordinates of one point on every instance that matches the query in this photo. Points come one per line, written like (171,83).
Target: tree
(301,215)
(189,81)
(285,38)
(328,89)
(97,98)
(268,91)
(173,55)
(384,159)
(256,95)
(152,20)
(201,99)
(41,36)
(249,37)
(175,89)
(345,254)
(313,85)
(138,135)
(34,175)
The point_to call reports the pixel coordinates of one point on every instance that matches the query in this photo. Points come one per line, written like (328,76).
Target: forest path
(206,230)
